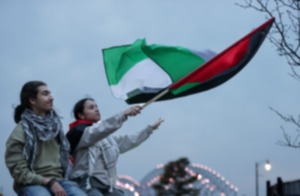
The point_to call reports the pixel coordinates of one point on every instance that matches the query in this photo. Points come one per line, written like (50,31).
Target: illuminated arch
(129,185)
(209,182)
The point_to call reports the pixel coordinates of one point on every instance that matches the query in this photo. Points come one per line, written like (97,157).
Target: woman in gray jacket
(96,151)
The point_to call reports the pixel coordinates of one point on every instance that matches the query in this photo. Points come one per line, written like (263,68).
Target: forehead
(89,103)
(43,88)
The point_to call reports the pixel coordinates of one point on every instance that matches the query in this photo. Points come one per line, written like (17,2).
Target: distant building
(291,188)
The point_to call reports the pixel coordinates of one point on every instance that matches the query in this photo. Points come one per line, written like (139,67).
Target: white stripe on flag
(146,76)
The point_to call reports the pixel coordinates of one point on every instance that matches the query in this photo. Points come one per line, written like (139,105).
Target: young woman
(96,151)
(37,151)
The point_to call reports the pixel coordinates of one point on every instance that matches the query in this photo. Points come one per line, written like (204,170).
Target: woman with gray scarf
(37,151)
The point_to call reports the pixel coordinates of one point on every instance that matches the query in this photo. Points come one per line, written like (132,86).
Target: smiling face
(90,111)
(43,103)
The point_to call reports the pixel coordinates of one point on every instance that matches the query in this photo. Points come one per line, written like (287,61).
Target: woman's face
(90,111)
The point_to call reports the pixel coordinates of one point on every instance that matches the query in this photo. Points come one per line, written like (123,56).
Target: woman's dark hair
(28,91)
(79,106)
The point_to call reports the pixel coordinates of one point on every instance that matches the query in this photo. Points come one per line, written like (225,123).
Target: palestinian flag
(139,72)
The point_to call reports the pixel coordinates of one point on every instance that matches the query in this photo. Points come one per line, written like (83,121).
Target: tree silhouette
(285,36)
(175,180)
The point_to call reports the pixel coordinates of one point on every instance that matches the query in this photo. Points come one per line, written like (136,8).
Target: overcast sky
(228,128)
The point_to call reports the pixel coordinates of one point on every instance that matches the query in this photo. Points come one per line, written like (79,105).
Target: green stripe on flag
(121,59)
(176,61)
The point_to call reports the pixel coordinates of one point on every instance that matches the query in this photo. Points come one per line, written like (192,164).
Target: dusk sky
(227,128)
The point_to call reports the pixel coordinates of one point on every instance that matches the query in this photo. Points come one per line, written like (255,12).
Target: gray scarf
(43,128)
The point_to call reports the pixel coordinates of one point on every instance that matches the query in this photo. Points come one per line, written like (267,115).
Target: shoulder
(18,130)
(17,133)
(76,133)
(78,129)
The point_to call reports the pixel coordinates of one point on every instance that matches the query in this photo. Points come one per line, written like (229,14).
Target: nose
(97,110)
(51,97)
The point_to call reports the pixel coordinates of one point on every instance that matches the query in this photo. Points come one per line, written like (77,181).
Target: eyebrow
(46,91)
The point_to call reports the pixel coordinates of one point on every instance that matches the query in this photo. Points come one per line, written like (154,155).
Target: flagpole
(155,98)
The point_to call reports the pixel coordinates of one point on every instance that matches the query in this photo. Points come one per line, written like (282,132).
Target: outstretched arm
(128,142)
(100,130)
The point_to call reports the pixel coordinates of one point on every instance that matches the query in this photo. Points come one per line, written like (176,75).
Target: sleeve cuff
(122,117)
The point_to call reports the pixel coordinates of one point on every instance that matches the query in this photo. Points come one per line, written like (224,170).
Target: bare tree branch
(288,139)
(285,34)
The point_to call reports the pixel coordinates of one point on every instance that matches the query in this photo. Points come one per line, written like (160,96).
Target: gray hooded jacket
(97,151)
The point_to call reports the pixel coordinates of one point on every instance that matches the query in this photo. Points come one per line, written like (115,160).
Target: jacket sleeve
(128,142)
(16,162)
(100,130)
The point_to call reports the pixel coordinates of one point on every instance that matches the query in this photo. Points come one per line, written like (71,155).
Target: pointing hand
(156,124)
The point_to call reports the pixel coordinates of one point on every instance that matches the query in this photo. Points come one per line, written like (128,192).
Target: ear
(81,116)
(32,101)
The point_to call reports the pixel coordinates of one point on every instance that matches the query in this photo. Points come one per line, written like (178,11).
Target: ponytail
(18,112)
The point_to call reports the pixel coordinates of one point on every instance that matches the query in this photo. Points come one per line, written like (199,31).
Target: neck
(39,112)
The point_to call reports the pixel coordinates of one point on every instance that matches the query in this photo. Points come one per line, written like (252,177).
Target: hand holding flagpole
(133,111)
